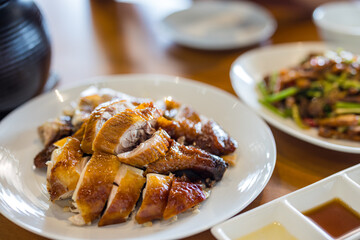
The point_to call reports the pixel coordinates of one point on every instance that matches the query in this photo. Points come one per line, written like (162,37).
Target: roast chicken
(112,145)
(64,168)
(94,187)
(181,157)
(97,119)
(126,129)
(182,196)
(155,198)
(148,151)
(124,195)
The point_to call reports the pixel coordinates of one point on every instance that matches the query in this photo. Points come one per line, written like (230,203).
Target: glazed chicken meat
(115,155)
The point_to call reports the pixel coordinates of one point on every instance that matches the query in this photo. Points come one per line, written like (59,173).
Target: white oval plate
(252,66)
(23,196)
(220,25)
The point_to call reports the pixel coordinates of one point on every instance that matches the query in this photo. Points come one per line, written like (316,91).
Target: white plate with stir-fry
(307,89)
(24,197)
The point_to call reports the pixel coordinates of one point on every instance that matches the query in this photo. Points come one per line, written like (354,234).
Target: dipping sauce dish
(302,213)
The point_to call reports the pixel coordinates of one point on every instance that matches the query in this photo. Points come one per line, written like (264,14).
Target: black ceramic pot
(24,53)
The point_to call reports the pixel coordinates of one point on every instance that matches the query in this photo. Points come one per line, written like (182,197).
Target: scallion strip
(273,80)
(262,88)
(272,108)
(282,94)
(296,116)
(347,105)
(347,110)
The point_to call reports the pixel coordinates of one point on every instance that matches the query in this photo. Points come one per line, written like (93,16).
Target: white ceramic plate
(251,67)
(23,197)
(219,25)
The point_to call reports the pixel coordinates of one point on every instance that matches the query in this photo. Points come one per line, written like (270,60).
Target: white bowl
(339,24)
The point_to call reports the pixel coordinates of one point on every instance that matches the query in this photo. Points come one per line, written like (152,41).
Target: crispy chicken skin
(53,130)
(93,97)
(182,121)
(206,134)
(183,195)
(155,198)
(45,155)
(97,119)
(125,193)
(147,152)
(94,187)
(64,169)
(86,105)
(123,131)
(79,134)
(181,157)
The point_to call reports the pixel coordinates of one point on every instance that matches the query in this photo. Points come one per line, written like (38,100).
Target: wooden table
(101,37)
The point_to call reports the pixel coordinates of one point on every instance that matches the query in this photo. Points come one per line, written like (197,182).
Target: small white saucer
(219,25)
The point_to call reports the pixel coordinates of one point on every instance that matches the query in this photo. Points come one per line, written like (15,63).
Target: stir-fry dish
(115,155)
(323,91)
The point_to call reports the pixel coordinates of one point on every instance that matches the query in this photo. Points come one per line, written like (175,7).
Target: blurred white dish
(220,25)
(23,196)
(339,24)
(250,68)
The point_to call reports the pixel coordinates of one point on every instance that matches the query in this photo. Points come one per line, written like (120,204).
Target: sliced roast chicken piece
(53,130)
(45,155)
(79,134)
(92,97)
(206,135)
(125,193)
(183,196)
(184,122)
(147,152)
(187,112)
(64,168)
(168,106)
(125,130)
(94,187)
(85,106)
(181,157)
(97,119)
(155,198)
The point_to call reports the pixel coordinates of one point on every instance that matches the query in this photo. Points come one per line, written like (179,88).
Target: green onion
(297,118)
(347,110)
(282,94)
(273,81)
(314,93)
(331,77)
(350,84)
(262,88)
(272,108)
(347,105)
(342,77)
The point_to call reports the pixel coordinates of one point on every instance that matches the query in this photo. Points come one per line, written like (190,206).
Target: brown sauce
(335,217)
